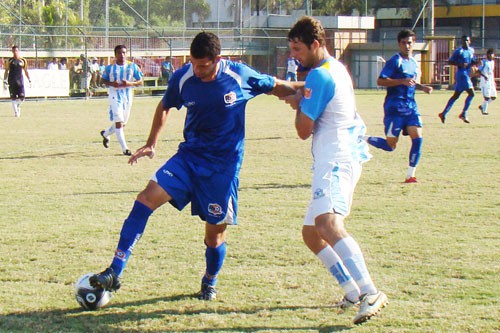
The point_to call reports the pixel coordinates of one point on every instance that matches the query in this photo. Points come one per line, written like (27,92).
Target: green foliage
(431,246)
(130,13)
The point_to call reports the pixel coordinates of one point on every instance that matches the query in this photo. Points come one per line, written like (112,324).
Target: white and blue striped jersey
(214,128)
(118,73)
(329,101)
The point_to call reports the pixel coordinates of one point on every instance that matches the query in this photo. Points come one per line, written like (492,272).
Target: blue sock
(380,143)
(467,103)
(132,230)
(215,259)
(448,106)
(415,151)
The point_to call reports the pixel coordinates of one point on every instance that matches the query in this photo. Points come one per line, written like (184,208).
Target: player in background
(463,58)
(487,81)
(14,80)
(120,78)
(205,169)
(291,69)
(167,68)
(401,114)
(327,112)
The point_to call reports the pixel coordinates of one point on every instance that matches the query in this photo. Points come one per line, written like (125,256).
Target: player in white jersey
(120,77)
(487,83)
(327,111)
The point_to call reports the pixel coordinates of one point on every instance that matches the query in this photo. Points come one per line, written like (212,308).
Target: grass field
(433,247)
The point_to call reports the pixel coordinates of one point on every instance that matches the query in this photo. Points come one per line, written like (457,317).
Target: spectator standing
(63,63)
(52,65)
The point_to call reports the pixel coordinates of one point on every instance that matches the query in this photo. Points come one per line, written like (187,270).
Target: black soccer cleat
(105,140)
(207,292)
(107,280)
(127,152)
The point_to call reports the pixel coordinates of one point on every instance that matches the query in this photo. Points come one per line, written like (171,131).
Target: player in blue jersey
(205,169)
(401,114)
(463,58)
(121,78)
(327,111)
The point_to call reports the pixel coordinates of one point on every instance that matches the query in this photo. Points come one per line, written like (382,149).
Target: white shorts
(489,90)
(120,105)
(333,187)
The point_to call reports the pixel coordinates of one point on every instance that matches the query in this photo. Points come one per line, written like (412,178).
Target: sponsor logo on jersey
(318,193)
(307,93)
(214,209)
(230,98)
(165,171)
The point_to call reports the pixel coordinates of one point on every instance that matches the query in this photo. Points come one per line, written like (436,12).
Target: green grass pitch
(432,247)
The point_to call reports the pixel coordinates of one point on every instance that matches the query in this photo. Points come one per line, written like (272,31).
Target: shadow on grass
(270,186)
(109,319)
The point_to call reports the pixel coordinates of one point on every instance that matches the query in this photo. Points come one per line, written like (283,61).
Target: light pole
(482,29)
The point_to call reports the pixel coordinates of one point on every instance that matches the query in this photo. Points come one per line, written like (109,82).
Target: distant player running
(13,78)
(487,83)
(464,59)
(401,114)
(120,77)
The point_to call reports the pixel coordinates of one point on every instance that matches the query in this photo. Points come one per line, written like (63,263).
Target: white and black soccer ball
(88,297)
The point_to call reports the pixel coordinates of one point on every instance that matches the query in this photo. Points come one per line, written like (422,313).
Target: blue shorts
(395,124)
(463,82)
(213,194)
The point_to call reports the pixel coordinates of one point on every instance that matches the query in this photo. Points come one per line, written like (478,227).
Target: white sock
(120,135)
(333,263)
(109,131)
(411,172)
(352,257)
(14,106)
(485,106)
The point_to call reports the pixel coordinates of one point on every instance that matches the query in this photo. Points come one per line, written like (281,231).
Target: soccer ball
(88,297)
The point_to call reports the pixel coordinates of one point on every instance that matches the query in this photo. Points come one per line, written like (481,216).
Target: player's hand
(293,100)
(428,89)
(410,82)
(141,152)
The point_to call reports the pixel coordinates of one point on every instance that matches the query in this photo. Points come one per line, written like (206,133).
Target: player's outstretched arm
(284,88)
(159,120)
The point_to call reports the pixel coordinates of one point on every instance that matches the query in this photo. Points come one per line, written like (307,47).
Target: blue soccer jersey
(465,58)
(214,129)
(400,99)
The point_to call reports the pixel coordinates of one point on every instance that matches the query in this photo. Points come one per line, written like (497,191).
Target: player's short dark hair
(205,45)
(306,30)
(14,47)
(490,51)
(405,33)
(119,47)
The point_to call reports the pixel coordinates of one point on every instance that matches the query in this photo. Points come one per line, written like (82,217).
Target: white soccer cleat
(370,305)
